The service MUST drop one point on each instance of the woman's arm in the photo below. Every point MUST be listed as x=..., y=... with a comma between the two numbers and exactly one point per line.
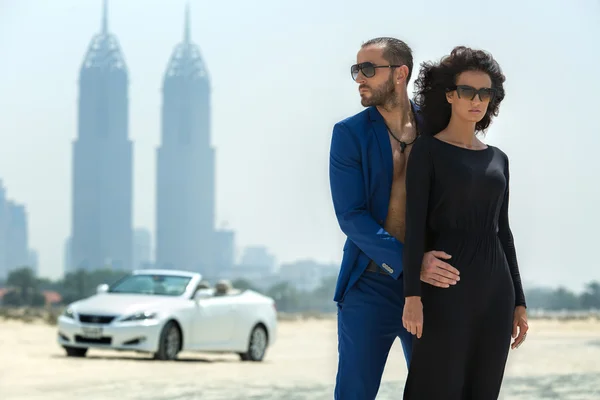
x=419, y=174
x=508, y=244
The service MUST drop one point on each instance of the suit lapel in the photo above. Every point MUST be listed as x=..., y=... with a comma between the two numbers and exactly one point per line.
x=383, y=139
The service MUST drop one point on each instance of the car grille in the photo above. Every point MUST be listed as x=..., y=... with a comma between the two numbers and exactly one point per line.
x=96, y=319
x=85, y=340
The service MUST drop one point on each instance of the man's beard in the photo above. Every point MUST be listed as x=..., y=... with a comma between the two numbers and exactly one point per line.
x=384, y=96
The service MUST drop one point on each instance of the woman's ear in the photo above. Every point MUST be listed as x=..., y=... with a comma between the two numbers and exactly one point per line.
x=450, y=96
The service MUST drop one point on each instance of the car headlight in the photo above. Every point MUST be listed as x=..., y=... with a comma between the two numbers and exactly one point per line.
x=141, y=316
x=69, y=313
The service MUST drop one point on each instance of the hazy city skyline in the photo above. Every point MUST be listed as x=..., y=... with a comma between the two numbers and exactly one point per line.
x=186, y=237
x=14, y=235
x=272, y=121
x=102, y=157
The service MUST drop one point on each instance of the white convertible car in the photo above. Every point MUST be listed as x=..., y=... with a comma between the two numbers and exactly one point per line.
x=164, y=312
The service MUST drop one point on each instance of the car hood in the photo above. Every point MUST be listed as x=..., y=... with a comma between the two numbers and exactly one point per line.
x=123, y=304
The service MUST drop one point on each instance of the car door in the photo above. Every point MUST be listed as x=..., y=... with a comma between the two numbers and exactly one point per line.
x=215, y=320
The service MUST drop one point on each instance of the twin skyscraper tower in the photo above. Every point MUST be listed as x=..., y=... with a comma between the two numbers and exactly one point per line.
x=102, y=178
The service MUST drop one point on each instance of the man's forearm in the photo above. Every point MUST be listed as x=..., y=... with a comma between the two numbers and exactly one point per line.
x=381, y=247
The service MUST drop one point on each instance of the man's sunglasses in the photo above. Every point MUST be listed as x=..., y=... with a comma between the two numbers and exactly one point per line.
x=469, y=92
x=367, y=69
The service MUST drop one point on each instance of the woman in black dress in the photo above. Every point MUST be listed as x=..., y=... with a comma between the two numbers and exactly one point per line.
x=457, y=201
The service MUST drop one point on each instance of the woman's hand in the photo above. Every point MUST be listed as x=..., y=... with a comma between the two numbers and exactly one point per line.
x=520, y=322
x=412, y=316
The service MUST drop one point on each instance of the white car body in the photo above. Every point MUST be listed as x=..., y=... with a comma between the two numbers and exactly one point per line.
x=207, y=322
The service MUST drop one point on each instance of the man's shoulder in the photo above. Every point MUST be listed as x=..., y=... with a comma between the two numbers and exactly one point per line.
x=357, y=122
x=420, y=121
x=352, y=131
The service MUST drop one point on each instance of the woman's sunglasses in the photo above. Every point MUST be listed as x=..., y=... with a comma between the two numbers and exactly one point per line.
x=367, y=69
x=469, y=92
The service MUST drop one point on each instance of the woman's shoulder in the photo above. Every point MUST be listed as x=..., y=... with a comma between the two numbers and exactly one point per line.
x=422, y=148
x=500, y=156
x=498, y=151
x=423, y=141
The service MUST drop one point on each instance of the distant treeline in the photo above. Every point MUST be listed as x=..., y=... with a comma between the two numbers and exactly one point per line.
x=25, y=289
x=564, y=299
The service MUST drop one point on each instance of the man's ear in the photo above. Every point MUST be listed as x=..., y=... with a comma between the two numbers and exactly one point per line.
x=401, y=74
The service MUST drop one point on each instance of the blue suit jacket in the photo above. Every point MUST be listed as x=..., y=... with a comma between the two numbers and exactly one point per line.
x=360, y=176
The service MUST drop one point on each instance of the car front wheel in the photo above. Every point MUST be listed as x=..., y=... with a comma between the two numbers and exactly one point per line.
x=257, y=345
x=169, y=342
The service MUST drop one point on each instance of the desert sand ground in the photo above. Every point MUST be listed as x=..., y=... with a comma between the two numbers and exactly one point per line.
x=560, y=360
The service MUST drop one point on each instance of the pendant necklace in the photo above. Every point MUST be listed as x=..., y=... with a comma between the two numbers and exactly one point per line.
x=403, y=144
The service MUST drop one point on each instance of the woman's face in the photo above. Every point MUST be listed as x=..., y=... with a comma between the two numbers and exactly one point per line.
x=471, y=96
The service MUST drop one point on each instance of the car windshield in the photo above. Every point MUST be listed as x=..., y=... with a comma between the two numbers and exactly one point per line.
x=161, y=285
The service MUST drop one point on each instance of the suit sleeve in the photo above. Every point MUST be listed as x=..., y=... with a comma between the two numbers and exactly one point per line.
x=419, y=175
x=508, y=244
x=349, y=193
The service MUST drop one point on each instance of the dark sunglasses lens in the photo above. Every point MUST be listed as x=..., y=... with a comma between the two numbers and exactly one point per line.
x=465, y=92
x=368, y=70
x=486, y=94
x=354, y=71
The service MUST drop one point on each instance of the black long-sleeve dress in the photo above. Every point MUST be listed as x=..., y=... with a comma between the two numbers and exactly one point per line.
x=457, y=202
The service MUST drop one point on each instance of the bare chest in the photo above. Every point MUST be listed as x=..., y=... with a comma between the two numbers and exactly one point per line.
x=400, y=155
x=395, y=220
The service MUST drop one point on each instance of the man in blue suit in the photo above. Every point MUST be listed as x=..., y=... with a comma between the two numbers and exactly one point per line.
x=367, y=169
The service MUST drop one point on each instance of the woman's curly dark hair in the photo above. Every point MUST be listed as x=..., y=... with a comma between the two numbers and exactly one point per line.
x=435, y=78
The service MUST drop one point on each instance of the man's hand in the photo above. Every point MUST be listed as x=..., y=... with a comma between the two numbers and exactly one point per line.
x=436, y=272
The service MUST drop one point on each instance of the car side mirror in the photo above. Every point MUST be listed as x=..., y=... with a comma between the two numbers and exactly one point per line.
x=102, y=288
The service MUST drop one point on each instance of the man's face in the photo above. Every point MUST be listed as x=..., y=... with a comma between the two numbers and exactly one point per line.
x=378, y=90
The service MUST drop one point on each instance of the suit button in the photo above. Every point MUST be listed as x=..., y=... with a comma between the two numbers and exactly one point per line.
x=380, y=222
x=387, y=268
